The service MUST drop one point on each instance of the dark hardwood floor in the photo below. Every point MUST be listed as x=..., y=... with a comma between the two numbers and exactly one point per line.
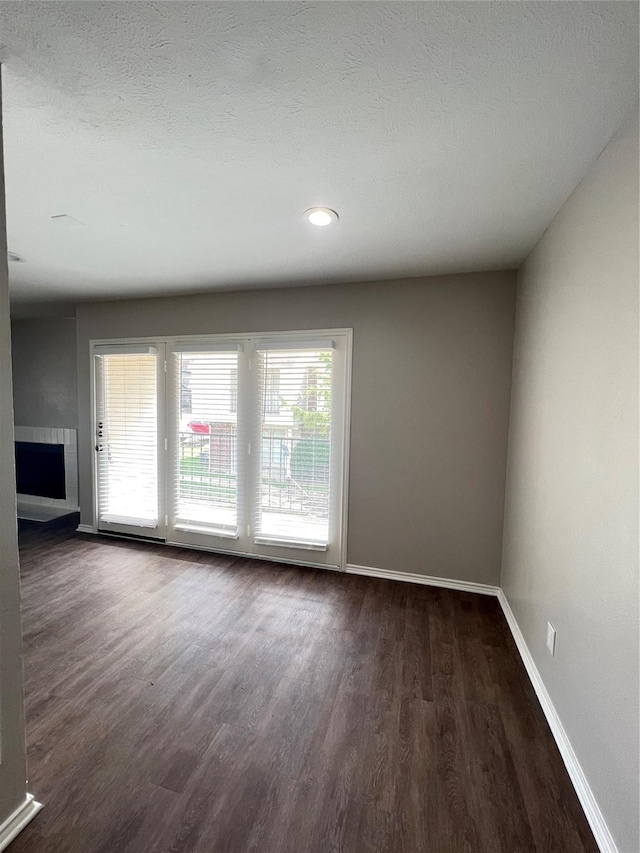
x=183, y=701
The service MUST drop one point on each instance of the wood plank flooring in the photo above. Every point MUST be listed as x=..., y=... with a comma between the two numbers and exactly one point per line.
x=182, y=702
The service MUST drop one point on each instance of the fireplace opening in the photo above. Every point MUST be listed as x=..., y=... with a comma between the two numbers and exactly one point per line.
x=40, y=470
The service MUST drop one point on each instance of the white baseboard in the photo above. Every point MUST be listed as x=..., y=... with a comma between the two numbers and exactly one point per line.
x=426, y=580
x=18, y=820
x=85, y=528
x=598, y=825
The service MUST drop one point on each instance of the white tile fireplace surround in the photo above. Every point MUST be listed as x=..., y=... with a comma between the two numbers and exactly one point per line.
x=36, y=507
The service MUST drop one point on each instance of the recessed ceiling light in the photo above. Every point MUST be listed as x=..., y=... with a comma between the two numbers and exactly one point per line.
x=11, y=256
x=320, y=216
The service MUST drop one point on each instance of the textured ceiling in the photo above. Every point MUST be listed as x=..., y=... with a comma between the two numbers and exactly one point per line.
x=187, y=139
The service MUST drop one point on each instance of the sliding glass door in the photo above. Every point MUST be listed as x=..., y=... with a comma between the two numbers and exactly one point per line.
x=254, y=456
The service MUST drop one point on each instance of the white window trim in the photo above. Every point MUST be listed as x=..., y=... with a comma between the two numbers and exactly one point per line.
x=255, y=338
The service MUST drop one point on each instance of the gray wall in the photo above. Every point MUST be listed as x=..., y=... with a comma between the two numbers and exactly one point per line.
x=45, y=383
x=571, y=522
x=431, y=384
x=12, y=767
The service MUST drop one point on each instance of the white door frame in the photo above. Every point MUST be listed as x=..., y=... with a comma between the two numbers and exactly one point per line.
x=165, y=342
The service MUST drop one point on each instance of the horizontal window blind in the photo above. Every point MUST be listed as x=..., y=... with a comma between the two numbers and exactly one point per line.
x=127, y=438
x=293, y=407
x=205, y=462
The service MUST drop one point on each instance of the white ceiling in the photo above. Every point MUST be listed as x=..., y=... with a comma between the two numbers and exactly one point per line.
x=188, y=138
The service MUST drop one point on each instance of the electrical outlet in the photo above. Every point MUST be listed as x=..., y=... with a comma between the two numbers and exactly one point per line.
x=551, y=638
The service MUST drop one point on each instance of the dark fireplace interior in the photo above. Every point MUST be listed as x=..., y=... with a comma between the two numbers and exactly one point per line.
x=40, y=469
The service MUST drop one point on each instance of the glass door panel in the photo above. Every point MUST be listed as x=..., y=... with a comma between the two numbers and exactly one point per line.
x=205, y=456
x=127, y=432
x=292, y=504
x=298, y=411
